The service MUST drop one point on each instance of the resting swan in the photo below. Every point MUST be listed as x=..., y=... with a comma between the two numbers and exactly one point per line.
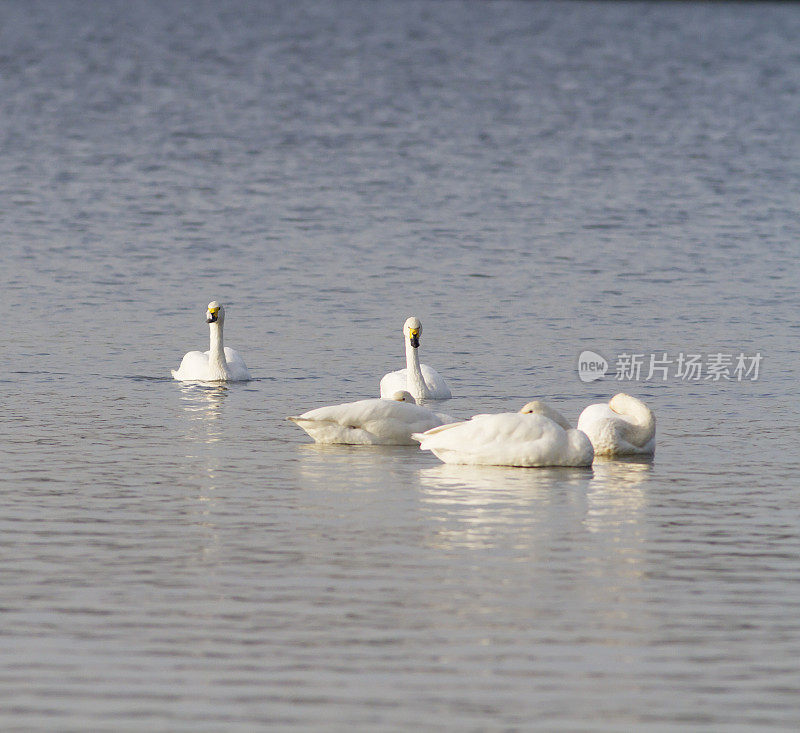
x=422, y=381
x=370, y=422
x=537, y=435
x=218, y=364
x=623, y=427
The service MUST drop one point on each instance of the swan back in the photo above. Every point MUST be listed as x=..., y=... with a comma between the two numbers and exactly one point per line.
x=509, y=439
x=374, y=421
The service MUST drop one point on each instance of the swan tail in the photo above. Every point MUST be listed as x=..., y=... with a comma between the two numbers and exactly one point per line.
x=315, y=420
x=438, y=429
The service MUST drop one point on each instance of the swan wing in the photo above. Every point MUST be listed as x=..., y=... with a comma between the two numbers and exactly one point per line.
x=507, y=439
x=236, y=366
x=595, y=415
x=367, y=422
x=393, y=382
x=435, y=383
x=599, y=423
x=194, y=366
x=478, y=433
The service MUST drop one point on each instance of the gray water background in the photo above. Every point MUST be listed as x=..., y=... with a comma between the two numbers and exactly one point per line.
x=529, y=179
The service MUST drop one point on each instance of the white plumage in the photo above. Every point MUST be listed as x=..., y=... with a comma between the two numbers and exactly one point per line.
x=537, y=435
x=220, y=363
x=422, y=381
x=374, y=421
x=625, y=426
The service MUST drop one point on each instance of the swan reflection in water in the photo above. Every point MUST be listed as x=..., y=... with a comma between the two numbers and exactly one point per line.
x=616, y=523
x=476, y=505
x=481, y=506
x=617, y=492
x=341, y=467
x=203, y=405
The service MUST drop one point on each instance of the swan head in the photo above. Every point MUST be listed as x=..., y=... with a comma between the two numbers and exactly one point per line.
x=215, y=313
x=412, y=328
x=403, y=396
x=534, y=407
x=537, y=407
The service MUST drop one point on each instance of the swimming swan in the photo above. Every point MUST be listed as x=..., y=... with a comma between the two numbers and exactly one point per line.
x=537, y=435
x=422, y=381
x=370, y=422
x=218, y=364
x=623, y=427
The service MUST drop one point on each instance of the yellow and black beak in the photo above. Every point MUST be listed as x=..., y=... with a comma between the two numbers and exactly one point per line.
x=413, y=337
x=213, y=315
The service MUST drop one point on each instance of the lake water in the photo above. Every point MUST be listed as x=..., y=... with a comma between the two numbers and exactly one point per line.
x=531, y=180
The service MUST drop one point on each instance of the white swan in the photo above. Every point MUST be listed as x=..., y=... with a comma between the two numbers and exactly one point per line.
x=422, y=381
x=370, y=422
x=218, y=364
x=537, y=435
x=623, y=427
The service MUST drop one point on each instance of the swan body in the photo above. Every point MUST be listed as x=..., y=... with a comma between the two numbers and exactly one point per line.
x=374, y=421
x=537, y=435
x=625, y=426
x=422, y=381
x=220, y=363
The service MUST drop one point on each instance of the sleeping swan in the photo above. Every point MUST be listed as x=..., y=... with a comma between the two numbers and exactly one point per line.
x=218, y=364
x=537, y=435
x=422, y=381
x=370, y=422
x=623, y=427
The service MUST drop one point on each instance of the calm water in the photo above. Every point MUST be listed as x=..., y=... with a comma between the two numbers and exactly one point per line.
x=529, y=179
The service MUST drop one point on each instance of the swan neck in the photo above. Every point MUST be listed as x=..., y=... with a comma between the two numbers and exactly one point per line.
x=414, y=378
x=640, y=419
x=640, y=433
x=216, y=357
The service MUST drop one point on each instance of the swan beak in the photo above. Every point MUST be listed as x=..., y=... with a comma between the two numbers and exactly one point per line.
x=413, y=336
x=212, y=315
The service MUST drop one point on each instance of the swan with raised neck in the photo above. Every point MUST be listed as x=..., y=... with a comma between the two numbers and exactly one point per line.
x=421, y=380
x=219, y=363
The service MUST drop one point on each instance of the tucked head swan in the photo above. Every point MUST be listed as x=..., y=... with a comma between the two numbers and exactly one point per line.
x=537, y=435
x=422, y=381
x=370, y=422
x=623, y=427
x=220, y=363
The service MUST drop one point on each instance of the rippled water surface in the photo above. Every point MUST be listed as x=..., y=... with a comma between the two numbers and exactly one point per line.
x=530, y=180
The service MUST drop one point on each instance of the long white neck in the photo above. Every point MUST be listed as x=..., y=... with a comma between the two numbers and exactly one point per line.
x=415, y=383
x=641, y=422
x=216, y=355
